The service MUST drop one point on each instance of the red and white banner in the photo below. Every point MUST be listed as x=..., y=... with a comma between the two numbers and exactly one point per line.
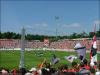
x=93, y=52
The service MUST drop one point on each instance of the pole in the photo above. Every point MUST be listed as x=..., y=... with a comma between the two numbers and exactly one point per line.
x=99, y=38
x=22, y=48
x=56, y=17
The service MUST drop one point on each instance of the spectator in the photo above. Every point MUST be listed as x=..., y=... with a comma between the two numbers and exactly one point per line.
x=14, y=72
x=98, y=69
x=4, y=72
x=28, y=73
x=92, y=71
x=22, y=71
x=83, y=70
x=75, y=67
x=86, y=64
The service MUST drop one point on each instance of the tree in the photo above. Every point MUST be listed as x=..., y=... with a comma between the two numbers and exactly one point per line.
x=91, y=34
x=29, y=37
x=17, y=36
x=0, y=35
x=98, y=33
x=74, y=35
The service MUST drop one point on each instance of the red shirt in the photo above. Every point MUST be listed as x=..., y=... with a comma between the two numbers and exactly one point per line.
x=87, y=67
x=72, y=70
x=14, y=72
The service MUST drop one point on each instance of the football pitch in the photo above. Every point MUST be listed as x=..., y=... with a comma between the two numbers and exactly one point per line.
x=11, y=59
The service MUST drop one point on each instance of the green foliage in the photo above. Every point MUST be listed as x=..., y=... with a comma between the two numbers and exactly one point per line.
x=0, y=34
x=98, y=33
x=12, y=35
x=91, y=34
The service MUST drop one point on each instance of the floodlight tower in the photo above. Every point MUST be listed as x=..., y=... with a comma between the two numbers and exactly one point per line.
x=99, y=37
x=21, y=65
x=0, y=31
x=56, y=18
x=99, y=26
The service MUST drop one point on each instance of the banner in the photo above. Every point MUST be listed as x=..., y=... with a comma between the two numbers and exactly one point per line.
x=93, y=52
x=81, y=51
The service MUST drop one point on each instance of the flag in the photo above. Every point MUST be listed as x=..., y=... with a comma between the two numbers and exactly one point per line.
x=81, y=51
x=46, y=42
x=93, y=52
x=70, y=58
x=41, y=65
x=54, y=59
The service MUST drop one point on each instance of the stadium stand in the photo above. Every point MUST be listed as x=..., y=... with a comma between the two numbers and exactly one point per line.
x=60, y=44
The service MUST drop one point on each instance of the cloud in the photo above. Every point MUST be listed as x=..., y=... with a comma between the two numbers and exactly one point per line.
x=28, y=27
x=74, y=25
x=97, y=22
x=44, y=25
x=41, y=25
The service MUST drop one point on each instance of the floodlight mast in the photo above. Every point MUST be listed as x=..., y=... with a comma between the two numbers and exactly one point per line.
x=56, y=18
x=99, y=36
x=21, y=65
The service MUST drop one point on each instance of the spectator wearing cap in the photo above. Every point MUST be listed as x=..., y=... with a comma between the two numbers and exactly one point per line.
x=28, y=73
x=33, y=71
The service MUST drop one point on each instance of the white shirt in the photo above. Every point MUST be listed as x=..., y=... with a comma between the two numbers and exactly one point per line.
x=97, y=73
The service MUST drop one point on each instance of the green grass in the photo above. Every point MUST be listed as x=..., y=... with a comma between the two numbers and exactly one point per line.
x=10, y=59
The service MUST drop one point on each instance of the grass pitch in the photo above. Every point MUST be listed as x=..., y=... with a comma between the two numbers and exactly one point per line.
x=11, y=59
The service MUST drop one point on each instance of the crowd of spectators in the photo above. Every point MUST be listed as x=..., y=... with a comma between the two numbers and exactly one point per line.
x=60, y=44
x=84, y=68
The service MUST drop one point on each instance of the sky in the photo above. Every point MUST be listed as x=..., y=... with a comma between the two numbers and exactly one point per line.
x=40, y=17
